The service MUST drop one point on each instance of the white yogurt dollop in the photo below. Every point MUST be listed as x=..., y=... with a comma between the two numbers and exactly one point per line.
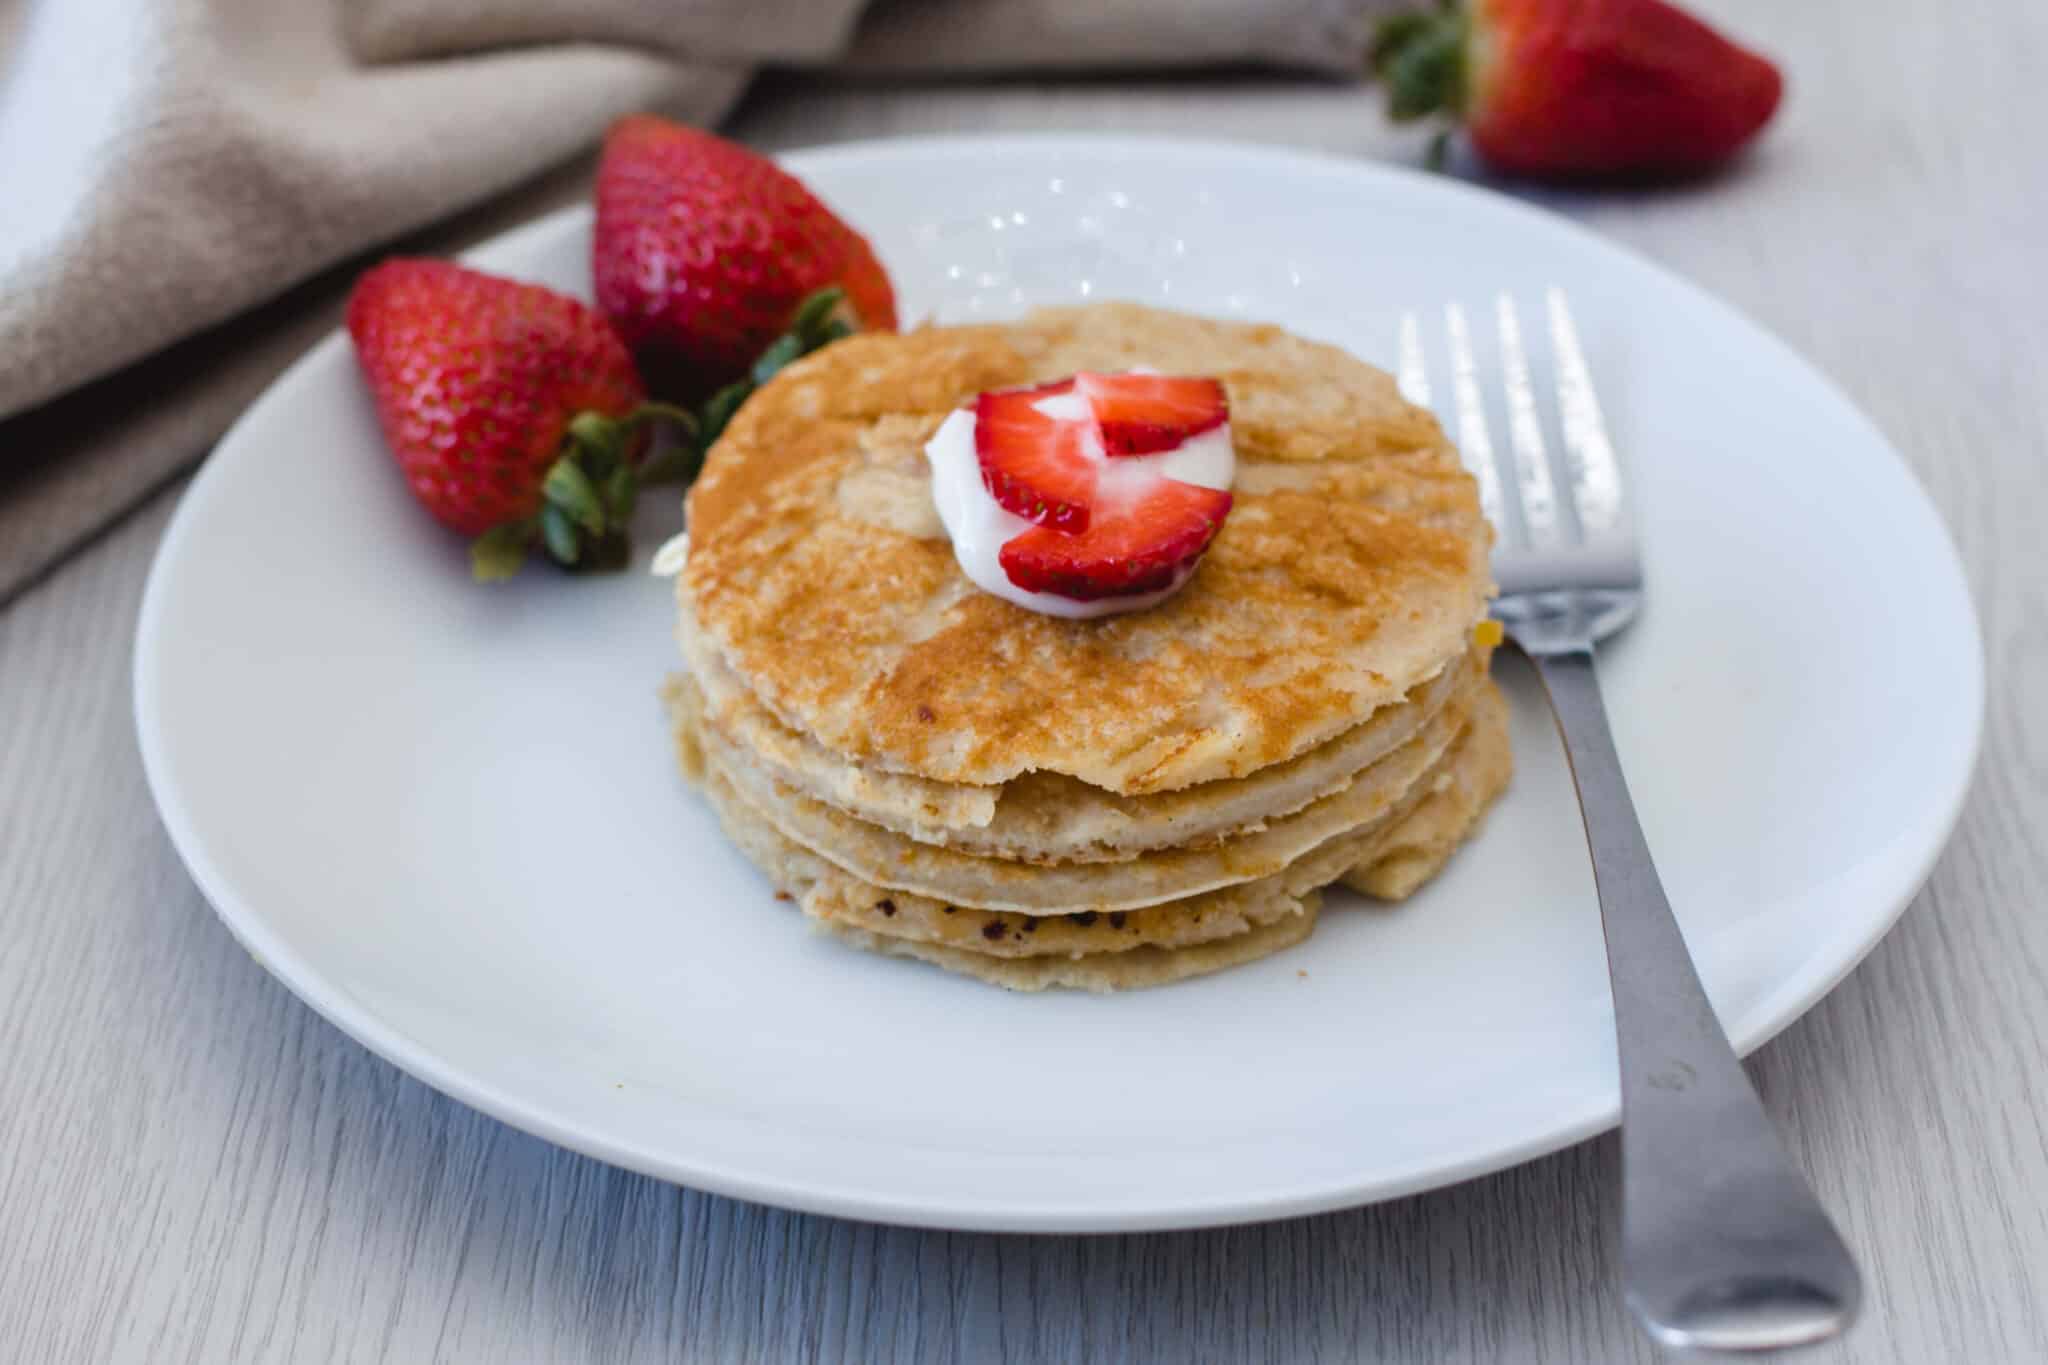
x=980, y=526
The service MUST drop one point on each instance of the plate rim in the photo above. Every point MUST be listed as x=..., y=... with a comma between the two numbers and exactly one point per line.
x=249, y=926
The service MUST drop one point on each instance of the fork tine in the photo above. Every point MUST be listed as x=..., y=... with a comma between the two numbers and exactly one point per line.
x=1533, y=483
x=1413, y=372
x=1589, y=455
x=1474, y=441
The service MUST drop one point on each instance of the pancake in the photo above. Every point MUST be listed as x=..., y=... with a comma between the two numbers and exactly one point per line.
x=1112, y=951
x=1351, y=570
x=1134, y=970
x=933, y=772
x=1417, y=848
x=1048, y=817
x=1475, y=772
x=890, y=860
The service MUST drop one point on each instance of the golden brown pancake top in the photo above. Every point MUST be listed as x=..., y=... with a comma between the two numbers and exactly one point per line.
x=1352, y=566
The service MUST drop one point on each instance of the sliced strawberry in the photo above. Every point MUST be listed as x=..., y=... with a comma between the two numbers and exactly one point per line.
x=1129, y=548
x=1034, y=464
x=1143, y=414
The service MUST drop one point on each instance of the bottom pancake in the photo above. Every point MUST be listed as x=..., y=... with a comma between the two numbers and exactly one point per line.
x=1160, y=943
x=1150, y=965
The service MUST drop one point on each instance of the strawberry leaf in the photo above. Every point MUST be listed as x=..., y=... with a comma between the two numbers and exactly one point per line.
x=598, y=439
x=718, y=410
x=568, y=488
x=780, y=352
x=621, y=490
x=565, y=547
x=497, y=554
x=816, y=324
x=1420, y=56
x=815, y=310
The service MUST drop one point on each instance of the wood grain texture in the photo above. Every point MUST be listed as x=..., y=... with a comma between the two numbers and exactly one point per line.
x=194, y=1167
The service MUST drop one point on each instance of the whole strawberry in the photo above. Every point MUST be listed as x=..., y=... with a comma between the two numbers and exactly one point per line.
x=703, y=251
x=513, y=411
x=1579, y=89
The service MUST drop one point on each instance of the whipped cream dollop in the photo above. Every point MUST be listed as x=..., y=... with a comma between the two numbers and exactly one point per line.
x=979, y=525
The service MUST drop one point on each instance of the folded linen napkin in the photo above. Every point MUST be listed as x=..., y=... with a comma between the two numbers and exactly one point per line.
x=175, y=175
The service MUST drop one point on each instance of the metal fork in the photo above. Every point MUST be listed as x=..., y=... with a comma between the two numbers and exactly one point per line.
x=1724, y=1246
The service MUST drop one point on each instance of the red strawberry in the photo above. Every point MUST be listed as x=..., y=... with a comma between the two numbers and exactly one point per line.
x=1132, y=547
x=1142, y=414
x=703, y=250
x=512, y=410
x=1580, y=89
x=1035, y=465
x=1095, y=537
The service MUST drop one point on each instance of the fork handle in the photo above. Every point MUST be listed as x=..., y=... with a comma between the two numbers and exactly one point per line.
x=1724, y=1245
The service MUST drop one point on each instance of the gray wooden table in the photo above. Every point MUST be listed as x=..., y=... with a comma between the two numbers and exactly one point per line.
x=194, y=1167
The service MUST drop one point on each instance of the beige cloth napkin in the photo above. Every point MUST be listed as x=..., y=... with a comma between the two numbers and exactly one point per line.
x=186, y=186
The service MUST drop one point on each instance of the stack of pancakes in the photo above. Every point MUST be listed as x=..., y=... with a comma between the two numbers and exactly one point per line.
x=933, y=772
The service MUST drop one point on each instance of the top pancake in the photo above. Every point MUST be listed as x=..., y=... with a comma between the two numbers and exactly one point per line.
x=1352, y=567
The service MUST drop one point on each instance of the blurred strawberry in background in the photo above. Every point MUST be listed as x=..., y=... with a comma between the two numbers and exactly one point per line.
x=1579, y=89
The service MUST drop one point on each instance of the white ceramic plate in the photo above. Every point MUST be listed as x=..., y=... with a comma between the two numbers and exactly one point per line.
x=449, y=818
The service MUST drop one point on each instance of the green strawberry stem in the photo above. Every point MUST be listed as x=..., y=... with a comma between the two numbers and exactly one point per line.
x=587, y=497
x=589, y=493
x=818, y=322
x=1420, y=54
x=497, y=554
